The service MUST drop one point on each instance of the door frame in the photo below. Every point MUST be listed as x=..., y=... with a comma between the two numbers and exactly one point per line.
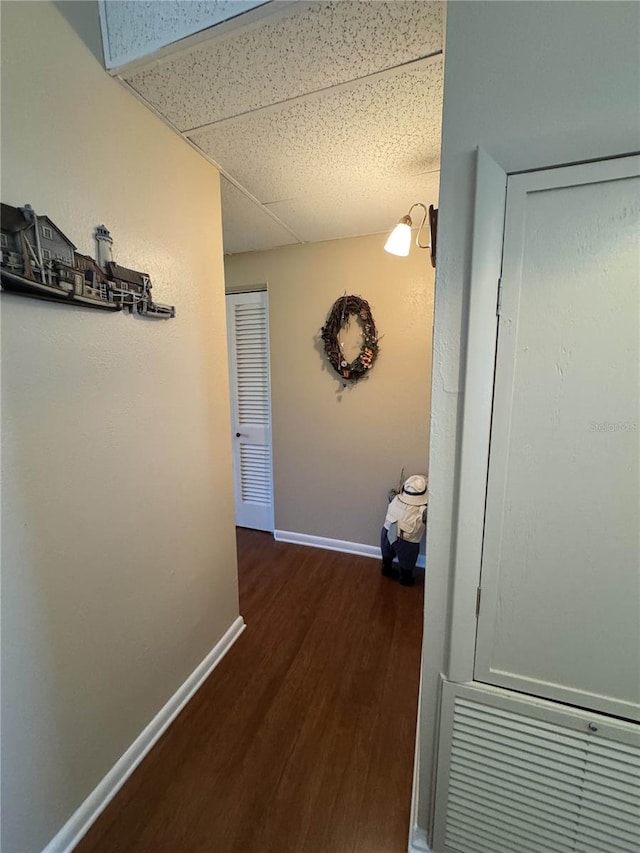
x=477, y=402
x=477, y=389
x=520, y=288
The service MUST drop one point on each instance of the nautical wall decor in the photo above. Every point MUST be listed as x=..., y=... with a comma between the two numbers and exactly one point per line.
x=39, y=261
x=338, y=319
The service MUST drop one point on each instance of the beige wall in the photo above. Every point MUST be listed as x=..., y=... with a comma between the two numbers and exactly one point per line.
x=118, y=561
x=337, y=451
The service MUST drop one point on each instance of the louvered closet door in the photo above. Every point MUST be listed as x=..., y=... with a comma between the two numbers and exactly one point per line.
x=248, y=335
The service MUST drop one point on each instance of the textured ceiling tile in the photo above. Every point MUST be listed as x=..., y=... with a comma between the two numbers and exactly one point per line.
x=136, y=28
x=360, y=135
x=245, y=226
x=309, y=50
x=375, y=208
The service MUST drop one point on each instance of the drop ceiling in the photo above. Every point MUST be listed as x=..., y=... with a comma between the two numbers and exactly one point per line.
x=324, y=118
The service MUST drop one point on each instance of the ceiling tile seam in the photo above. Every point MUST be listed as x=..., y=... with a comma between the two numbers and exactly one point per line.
x=345, y=85
x=209, y=159
x=242, y=22
x=248, y=195
x=426, y=172
x=314, y=195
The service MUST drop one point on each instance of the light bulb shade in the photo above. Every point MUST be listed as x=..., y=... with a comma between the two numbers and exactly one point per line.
x=399, y=241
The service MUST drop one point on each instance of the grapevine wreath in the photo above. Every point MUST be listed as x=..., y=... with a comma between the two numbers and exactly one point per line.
x=337, y=320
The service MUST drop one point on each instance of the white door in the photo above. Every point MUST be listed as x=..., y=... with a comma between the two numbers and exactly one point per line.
x=560, y=603
x=248, y=338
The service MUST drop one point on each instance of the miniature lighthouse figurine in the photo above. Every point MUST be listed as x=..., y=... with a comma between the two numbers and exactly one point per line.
x=104, y=242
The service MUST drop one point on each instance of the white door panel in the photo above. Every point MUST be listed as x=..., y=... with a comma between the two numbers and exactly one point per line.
x=560, y=605
x=248, y=334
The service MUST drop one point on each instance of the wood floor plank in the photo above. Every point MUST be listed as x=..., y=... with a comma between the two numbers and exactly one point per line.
x=302, y=739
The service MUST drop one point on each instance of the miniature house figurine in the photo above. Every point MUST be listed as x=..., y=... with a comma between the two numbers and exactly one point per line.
x=39, y=261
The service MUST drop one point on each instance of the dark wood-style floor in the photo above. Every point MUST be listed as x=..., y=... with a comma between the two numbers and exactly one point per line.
x=302, y=739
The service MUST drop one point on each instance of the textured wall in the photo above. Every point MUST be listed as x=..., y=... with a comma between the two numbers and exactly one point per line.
x=337, y=451
x=118, y=562
x=535, y=84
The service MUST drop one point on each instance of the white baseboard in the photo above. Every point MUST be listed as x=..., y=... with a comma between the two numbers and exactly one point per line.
x=334, y=545
x=418, y=843
x=415, y=831
x=82, y=819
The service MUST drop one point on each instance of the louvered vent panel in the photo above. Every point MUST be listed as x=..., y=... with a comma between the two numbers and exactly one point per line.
x=255, y=474
x=527, y=785
x=252, y=365
x=610, y=808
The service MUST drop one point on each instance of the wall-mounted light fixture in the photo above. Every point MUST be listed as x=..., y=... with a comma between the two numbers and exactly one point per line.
x=399, y=241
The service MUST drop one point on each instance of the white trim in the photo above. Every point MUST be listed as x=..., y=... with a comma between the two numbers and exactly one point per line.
x=82, y=819
x=334, y=545
x=418, y=842
x=417, y=836
x=104, y=32
x=486, y=263
x=230, y=289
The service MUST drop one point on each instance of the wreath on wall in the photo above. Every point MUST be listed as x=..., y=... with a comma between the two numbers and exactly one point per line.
x=339, y=317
